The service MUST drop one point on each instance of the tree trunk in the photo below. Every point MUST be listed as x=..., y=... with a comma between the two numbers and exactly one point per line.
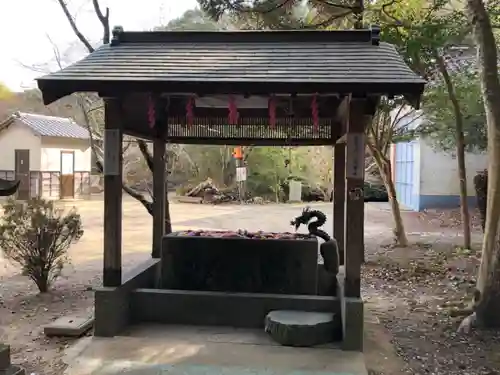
x=384, y=167
x=481, y=187
x=459, y=135
x=399, y=229
x=41, y=280
x=487, y=296
x=358, y=11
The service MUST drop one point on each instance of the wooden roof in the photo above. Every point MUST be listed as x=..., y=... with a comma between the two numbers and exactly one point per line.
x=251, y=62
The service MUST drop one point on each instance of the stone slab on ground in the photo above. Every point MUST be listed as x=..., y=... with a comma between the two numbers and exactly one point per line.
x=13, y=370
x=163, y=349
x=70, y=326
x=4, y=356
x=301, y=328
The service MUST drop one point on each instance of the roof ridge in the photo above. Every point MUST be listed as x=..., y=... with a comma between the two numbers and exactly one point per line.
x=371, y=35
x=50, y=126
x=19, y=113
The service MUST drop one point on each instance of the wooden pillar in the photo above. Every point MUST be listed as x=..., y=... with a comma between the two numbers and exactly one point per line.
x=354, y=200
x=113, y=175
x=339, y=197
x=158, y=196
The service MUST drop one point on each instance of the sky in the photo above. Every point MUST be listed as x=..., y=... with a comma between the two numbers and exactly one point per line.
x=30, y=30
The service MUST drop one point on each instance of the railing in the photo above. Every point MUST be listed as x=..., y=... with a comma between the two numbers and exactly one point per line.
x=83, y=184
x=47, y=184
x=8, y=175
x=251, y=131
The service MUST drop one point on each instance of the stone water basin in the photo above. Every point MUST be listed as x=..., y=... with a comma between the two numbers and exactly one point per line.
x=240, y=261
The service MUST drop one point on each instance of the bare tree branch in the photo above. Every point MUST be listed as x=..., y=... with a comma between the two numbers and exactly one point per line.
x=143, y=147
x=104, y=20
x=37, y=68
x=138, y=196
x=72, y=23
x=57, y=53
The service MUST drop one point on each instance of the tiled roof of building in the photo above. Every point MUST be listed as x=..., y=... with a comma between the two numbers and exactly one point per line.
x=335, y=59
x=49, y=126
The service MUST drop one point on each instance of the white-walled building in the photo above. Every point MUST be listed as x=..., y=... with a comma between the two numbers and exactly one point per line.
x=428, y=178
x=51, y=156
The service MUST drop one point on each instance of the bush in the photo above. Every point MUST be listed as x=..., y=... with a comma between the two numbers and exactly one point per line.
x=375, y=193
x=372, y=192
x=36, y=235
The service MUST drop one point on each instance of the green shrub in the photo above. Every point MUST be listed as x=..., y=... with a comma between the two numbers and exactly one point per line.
x=375, y=192
x=36, y=235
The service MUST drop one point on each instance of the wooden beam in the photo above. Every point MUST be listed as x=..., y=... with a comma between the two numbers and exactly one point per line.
x=354, y=199
x=113, y=175
x=342, y=117
x=369, y=108
x=158, y=196
x=342, y=139
x=339, y=197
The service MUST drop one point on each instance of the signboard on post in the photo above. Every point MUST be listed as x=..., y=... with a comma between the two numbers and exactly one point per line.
x=241, y=174
x=355, y=155
x=112, y=151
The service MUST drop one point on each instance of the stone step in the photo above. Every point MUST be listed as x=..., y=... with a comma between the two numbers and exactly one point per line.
x=303, y=328
x=6, y=368
x=69, y=326
x=153, y=349
x=13, y=370
x=4, y=356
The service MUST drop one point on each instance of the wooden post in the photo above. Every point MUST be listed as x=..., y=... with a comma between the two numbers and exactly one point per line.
x=339, y=197
x=158, y=196
x=113, y=155
x=354, y=207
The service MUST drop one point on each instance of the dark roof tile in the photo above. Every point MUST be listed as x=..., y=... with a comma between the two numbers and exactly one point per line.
x=324, y=57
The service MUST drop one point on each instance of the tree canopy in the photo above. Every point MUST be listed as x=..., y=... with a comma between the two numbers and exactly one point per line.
x=439, y=122
x=5, y=92
x=193, y=19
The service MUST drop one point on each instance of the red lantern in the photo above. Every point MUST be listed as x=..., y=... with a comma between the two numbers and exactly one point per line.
x=238, y=153
x=151, y=112
x=190, y=111
x=233, y=111
x=272, y=112
x=315, y=112
x=288, y=5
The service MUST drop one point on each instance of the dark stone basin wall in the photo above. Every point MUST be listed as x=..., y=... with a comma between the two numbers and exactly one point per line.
x=280, y=266
x=112, y=304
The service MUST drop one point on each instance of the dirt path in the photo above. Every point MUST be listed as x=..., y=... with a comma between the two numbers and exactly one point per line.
x=399, y=330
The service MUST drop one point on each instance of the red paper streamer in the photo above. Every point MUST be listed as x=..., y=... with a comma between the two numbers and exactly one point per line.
x=288, y=4
x=151, y=112
x=233, y=111
x=272, y=112
x=190, y=111
x=315, y=113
